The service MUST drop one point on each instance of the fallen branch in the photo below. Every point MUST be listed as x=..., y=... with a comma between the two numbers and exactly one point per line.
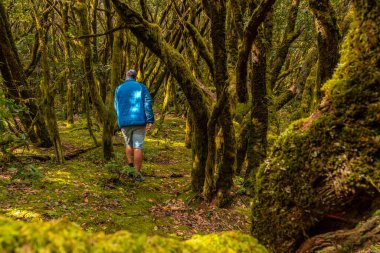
x=78, y=152
x=44, y=158
x=173, y=175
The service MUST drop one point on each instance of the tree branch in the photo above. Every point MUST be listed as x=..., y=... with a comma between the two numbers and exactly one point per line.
x=250, y=33
x=150, y=35
x=100, y=34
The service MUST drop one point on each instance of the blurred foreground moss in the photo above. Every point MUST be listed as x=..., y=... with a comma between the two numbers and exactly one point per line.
x=61, y=236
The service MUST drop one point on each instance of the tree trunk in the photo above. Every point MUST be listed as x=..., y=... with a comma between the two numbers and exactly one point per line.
x=67, y=57
x=164, y=108
x=328, y=37
x=48, y=90
x=327, y=163
x=289, y=36
x=241, y=152
x=258, y=127
x=249, y=36
x=103, y=110
x=298, y=87
x=17, y=86
x=87, y=111
x=107, y=6
x=188, y=129
x=221, y=113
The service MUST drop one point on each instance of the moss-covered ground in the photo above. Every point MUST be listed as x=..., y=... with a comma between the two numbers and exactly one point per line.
x=86, y=190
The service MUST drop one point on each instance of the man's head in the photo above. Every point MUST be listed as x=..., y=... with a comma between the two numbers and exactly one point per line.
x=131, y=74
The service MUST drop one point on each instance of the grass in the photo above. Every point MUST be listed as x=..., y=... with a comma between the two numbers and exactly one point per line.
x=81, y=190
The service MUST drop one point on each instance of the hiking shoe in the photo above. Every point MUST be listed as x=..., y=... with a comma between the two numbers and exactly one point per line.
x=138, y=177
x=131, y=171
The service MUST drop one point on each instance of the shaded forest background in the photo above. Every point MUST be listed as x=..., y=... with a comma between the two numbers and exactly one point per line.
x=282, y=96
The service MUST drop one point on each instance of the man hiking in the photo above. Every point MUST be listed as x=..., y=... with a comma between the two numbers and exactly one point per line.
x=133, y=105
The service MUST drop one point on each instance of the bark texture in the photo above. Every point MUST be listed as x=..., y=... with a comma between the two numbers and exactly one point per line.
x=364, y=238
x=328, y=38
x=249, y=36
x=289, y=36
x=16, y=84
x=257, y=135
x=324, y=164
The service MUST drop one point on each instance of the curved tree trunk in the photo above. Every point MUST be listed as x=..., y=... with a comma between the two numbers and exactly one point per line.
x=249, y=36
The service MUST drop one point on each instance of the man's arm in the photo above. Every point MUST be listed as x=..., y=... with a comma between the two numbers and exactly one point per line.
x=148, y=107
x=116, y=101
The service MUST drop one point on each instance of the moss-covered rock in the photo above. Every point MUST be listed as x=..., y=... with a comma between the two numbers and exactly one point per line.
x=60, y=236
x=323, y=164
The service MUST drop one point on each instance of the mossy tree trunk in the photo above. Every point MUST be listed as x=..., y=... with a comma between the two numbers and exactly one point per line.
x=249, y=36
x=109, y=117
x=168, y=94
x=48, y=90
x=221, y=113
x=328, y=38
x=16, y=84
x=258, y=127
x=87, y=111
x=67, y=57
x=241, y=151
x=94, y=27
x=103, y=110
x=296, y=90
x=290, y=34
x=235, y=31
x=329, y=162
x=188, y=129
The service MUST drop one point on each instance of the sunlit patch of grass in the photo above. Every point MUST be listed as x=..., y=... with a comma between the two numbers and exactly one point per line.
x=23, y=214
x=61, y=177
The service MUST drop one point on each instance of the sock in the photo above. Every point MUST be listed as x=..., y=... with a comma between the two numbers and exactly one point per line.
x=130, y=165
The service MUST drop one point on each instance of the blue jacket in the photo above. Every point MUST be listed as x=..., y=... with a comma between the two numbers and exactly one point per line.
x=133, y=104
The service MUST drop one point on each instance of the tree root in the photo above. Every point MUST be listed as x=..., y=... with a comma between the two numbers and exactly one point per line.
x=354, y=240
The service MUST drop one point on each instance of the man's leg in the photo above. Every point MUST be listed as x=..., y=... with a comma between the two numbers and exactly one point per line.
x=138, y=145
x=138, y=156
x=127, y=134
x=130, y=154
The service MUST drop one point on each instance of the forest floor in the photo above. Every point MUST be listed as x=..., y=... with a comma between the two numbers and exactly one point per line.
x=87, y=190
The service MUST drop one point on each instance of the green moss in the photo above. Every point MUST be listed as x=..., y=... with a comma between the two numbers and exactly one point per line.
x=322, y=164
x=81, y=191
x=60, y=236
